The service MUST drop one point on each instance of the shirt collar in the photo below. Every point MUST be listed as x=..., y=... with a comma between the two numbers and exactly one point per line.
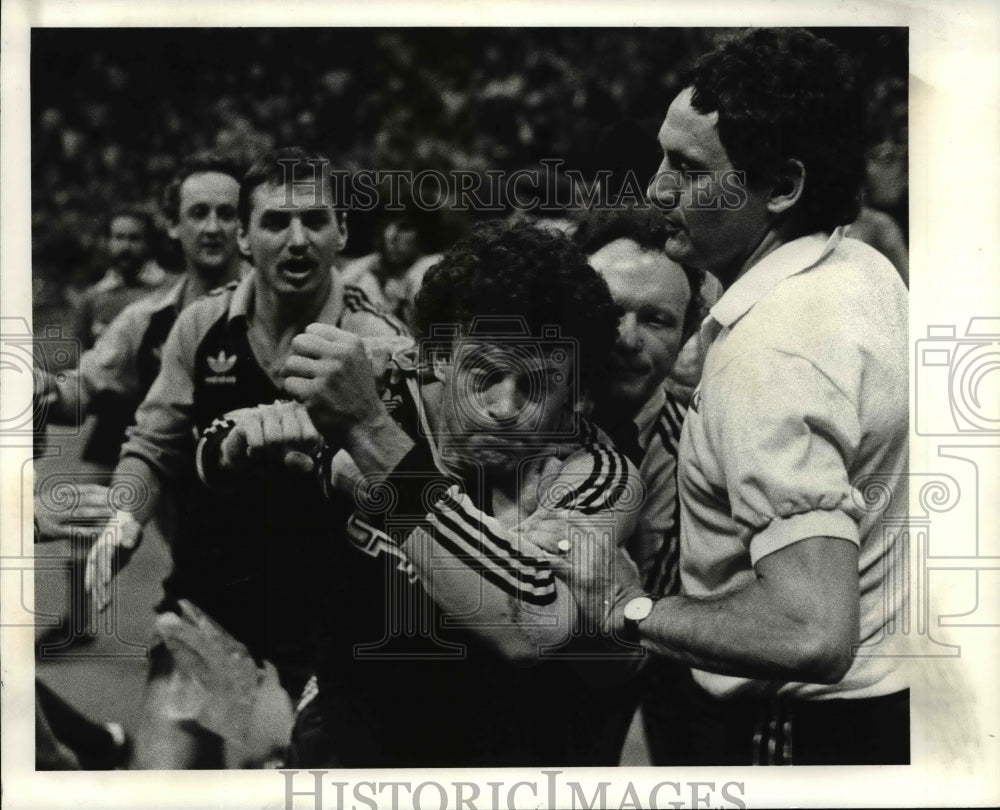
x=242, y=301
x=645, y=420
x=788, y=260
x=174, y=297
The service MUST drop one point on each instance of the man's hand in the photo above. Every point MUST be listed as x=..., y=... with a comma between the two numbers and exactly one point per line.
x=115, y=544
x=329, y=371
x=214, y=676
x=281, y=432
x=90, y=507
x=599, y=574
x=216, y=683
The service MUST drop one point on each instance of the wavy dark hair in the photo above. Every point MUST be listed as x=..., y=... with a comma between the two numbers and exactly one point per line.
x=198, y=163
x=784, y=93
x=646, y=227
x=519, y=273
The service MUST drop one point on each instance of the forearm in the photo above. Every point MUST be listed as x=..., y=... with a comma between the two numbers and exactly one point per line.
x=139, y=486
x=782, y=624
x=378, y=444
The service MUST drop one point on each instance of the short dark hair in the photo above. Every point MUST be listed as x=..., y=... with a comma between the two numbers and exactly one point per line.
x=132, y=212
x=647, y=228
x=198, y=163
x=519, y=271
x=274, y=169
x=784, y=93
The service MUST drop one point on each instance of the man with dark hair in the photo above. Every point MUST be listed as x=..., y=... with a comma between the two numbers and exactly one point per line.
x=461, y=648
x=787, y=569
x=132, y=276
x=249, y=544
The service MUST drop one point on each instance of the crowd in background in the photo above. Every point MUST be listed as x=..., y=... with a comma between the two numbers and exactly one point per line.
x=113, y=111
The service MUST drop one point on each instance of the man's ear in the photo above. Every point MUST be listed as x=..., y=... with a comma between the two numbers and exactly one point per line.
x=243, y=242
x=341, y=219
x=788, y=188
x=172, y=230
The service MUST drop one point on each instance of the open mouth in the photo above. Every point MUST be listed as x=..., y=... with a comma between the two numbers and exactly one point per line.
x=212, y=248
x=297, y=268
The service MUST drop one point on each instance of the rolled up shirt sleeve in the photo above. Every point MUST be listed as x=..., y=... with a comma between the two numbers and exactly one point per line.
x=164, y=430
x=789, y=436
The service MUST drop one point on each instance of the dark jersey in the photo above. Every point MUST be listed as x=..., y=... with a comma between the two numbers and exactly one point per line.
x=418, y=604
x=252, y=558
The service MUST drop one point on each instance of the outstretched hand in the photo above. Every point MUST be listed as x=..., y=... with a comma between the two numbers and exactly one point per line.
x=91, y=504
x=217, y=684
x=115, y=545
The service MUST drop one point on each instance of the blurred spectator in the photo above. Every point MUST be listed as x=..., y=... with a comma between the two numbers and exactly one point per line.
x=391, y=276
x=884, y=216
x=132, y=274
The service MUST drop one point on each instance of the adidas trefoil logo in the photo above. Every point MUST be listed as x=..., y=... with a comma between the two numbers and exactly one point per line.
x=221, y=363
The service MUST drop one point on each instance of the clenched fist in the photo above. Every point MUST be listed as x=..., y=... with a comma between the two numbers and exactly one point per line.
x=329, y=372
x=281, y=433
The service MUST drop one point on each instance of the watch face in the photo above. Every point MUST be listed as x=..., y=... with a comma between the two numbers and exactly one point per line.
x=638, y=609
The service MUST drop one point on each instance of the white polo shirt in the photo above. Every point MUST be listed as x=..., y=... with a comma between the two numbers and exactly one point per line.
x=801, y=413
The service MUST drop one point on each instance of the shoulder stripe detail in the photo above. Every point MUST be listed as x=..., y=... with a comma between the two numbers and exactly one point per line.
x=604, y=484
x=670, y=424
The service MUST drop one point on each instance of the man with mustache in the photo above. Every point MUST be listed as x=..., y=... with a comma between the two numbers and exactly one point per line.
x=447, y=642
x=133, y=274
x=790, y=575
x=247, y=551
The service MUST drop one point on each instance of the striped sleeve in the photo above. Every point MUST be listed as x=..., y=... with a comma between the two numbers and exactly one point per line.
x=485, y=580
x=599, y=489
x=662, y=574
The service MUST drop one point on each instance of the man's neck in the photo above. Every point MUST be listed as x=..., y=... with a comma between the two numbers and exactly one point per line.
x=772, y=239
x=276, y=314
x=130, y=278
x=610, y=412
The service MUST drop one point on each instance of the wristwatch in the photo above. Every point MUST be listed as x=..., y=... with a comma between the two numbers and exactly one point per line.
x=636, y=609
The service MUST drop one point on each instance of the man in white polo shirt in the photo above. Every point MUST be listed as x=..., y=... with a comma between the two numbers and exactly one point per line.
x=800, y=414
